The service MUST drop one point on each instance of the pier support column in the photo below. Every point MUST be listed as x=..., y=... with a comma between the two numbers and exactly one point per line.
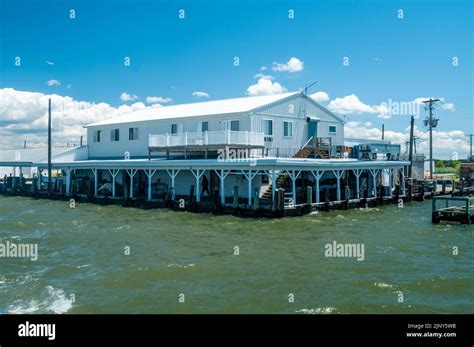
x=40, y=179
x=198, y=174
x=94, y=171
x=402, y=180
x=256, y=199
x=294, y=176
x=338, y=174
x=389, y=172
x=173, y=173
x=317, y=176
x=250, y=176
x=68, y=181
x=149, y=174
x=374, y=173
x=113, y=173
x=222, y=174
x=131, y=173
x=273, y=184
x=357, y=173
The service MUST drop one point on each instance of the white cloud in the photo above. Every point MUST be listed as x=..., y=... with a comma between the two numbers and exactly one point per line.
x=320, y=96
x=261, y=75
x=51, y=83
x=448, y=106
x=265, y=86
x=293, y=65
x=445, y=143
x=50, y=62
x=158, y=100
x=24, y=116
x=200, y=94
x=127, y=97
x=349, y=104
x=263, y=68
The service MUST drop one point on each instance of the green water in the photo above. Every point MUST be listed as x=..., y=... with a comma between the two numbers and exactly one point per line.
x=82, y=266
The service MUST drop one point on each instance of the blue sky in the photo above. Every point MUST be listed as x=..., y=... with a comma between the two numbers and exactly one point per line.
x=389, y=57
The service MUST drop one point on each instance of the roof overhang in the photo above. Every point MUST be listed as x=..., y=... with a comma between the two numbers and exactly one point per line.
x=211, y=164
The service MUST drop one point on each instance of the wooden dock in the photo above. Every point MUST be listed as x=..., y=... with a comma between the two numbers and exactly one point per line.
x=457, y=209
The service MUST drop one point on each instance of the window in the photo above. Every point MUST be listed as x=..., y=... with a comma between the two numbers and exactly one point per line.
x=234, y=125
x=132, y=134
x=174, y=128
x=268, y=127
x=115, y=135
x=204, y=126
x=97, y=135
x=287, y=129
x=177, y=128
x=332, y=129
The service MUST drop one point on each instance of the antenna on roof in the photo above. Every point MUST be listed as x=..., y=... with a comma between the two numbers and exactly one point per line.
x=309, y=86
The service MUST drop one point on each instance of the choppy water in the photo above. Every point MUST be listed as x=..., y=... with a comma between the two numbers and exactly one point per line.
x=82, y=267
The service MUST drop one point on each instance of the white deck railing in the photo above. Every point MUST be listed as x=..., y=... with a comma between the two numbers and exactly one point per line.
x=222, y=137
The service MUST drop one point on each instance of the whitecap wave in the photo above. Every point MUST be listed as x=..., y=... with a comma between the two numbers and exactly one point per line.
x=383, y=285
x=54, y=300
x=180, y=266
x=319, y=310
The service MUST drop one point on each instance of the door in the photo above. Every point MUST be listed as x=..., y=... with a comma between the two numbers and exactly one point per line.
x=312, y=129
x=233, y=125
x=226, y=125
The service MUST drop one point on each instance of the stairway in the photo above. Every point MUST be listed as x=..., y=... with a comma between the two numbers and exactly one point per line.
x=266, y=197
x=318, y=148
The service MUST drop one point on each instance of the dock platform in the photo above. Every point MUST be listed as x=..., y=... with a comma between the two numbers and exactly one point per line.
x=456, y=209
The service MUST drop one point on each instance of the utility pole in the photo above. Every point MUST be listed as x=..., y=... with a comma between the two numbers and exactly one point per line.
x=432, y=123
x=383, y=131
x=49, y=147
x=410, y=158
x=470, y=144
x=414, y=143
x=412, y=140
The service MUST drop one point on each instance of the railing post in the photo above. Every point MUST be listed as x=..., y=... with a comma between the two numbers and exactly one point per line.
x=247, y=138
x=206, y=138
x=186, y=138
x=228, y=136
x=167, y=139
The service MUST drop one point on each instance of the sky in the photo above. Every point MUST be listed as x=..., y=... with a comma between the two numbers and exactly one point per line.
x=373, y=61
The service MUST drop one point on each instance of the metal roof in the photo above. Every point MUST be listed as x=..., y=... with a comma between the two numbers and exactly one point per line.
x=216, y=107
x=32, y=154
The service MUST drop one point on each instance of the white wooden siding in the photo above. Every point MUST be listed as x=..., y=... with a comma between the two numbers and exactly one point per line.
x=296, y=110
x=139, y=148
